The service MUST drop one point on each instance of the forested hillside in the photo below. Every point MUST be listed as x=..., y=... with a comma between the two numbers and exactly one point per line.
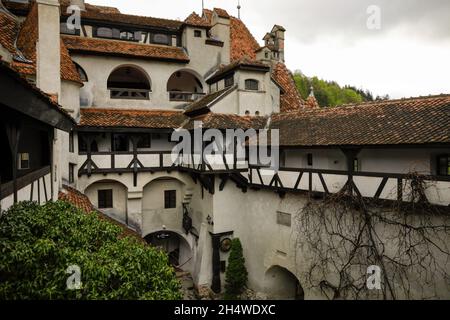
x=330, y=93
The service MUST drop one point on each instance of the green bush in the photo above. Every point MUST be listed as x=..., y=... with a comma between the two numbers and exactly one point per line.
x=39, y=243
x=236, y=273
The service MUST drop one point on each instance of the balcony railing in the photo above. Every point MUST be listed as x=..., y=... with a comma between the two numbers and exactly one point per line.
x=185, y=96
x=379, y=186
x=126, y=93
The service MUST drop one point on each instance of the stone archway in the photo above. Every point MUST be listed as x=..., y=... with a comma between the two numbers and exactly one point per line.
x=281, y=284
x=175, y=245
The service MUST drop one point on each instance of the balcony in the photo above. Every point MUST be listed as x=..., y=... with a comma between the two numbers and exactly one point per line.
x=378, y=186
x=185, y=96
x=132, y=94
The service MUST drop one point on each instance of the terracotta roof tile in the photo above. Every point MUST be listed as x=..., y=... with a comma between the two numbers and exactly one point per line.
x=214, y=120
x=290, y=100
x=9, y=29
x=424, y=120
x=109, y=14
x=243, y=44
x=195, y=20
x=124, y=48
x=221, y=13
x=312, y=102
x=82, y=202
x=238, y=64
x=26, y=42
x=127, y=118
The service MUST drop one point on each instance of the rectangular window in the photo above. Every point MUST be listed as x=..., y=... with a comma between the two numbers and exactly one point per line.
x=251, y=84
x=443, y=165
x=71, y=144
x=71, y=173
x=24, y=161
x=144, y=141
x=309, y=157
x=356, y=165
x=105, y=199
x=120, y=142
x=229, y=81
x=160, y=38
x=170, y=199
x=198, y=33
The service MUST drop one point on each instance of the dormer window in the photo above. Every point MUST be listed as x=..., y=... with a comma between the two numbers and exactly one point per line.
x=252, y=84
x=198, y=33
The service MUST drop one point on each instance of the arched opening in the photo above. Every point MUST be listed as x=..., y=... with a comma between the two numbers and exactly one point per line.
x=184, y=85
x=176, y=246
x=81, y=73
x=281, y=284
x=129, y=82
x=110, y=197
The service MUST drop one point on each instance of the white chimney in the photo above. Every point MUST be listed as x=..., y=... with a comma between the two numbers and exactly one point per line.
x=79, y=3
x=48, y=51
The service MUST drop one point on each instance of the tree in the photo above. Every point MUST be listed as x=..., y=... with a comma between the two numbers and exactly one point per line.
x=40, y=244
x=236, y=274
x=345, y=234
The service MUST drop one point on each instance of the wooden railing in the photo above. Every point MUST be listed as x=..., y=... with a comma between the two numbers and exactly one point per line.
x=375, y=185
x=185, y=96
x=126, y=93
x=7, y=188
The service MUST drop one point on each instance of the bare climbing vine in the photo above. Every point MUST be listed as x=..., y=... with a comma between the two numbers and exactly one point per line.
x=342, y=235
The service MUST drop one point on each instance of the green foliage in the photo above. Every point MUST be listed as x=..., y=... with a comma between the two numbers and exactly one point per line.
x=331, y=94
x=39, y=243
x=236, y=274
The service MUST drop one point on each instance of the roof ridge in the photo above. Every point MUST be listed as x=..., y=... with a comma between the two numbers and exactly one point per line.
x=388, y=101
x=100, y=109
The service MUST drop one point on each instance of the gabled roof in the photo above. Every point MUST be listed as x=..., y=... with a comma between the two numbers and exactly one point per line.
x=31, y=101
x=222, y=13
x=124, y=49
x=243, y=64
x=414, y=121
x=203, y=105
x=196, y=21
x=26, y=42
x=291, y=99
x=127, y=118
x=113, y=15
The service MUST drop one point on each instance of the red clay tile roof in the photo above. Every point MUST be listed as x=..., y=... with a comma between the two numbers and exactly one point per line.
x=214, y=120
x=424, y=120
x=124, y=118
x=109, y=14
x=311, y=102
x=124, y=49
x=82, y=202
x=221, y=13
x=291, y=99
x=245, y=64
x=9, y=29
x=26, y=42
x=196, y=21
x=243, y=44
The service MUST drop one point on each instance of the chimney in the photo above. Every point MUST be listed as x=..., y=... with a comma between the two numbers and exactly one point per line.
x=79, y=3
x=278, y=32
x=48, y=51
x=221, y=31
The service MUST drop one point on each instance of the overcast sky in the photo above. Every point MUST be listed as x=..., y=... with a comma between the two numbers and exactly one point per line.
x=409, y=55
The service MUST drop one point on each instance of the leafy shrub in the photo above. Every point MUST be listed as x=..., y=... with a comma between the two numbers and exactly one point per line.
x=39, y=243
x=236, y=273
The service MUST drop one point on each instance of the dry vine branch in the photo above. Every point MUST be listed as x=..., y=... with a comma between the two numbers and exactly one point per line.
x=344, y=234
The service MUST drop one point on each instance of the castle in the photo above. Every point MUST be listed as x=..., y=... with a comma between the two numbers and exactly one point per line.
x=88, y=114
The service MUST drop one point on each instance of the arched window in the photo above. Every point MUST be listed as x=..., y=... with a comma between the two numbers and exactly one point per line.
x=129, y=83
x=257, y=113
x=247, y=113
x=252, y=84
x=184, y=85
x=81, y=72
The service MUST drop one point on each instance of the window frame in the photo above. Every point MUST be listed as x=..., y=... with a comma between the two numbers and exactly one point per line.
x=71, y=142
x=249, y=83
x=170, y=199
x=438, y=165
x=107, y=199
x=168, y=37
x=228, y=81
x=72, y=173
x=21, y=161
x=198, y=33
